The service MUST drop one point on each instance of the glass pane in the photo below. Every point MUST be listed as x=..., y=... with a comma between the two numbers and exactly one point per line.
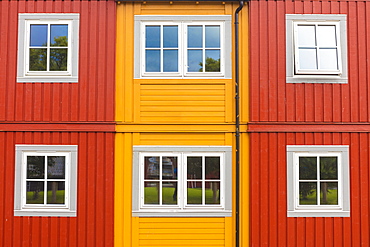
x=170, y=36
x=326, y=36
x=56, y=167
x=58, y=59
x=170, y=61
x=194, y=192
x=329, y=194
x=307, y=168
x=169, y=193
x=212, y=167
x=39, y=35
x=212, y=193
x=195, y=61
x=35, y=167
x=306, y=36
x=195, y=36
x=38, y=60
x=307, y=59
x=59, y=35
x=152, y=36
x=56, y=193
x=152, y=61
x=328, y=59
x=169, y=168
x=151, y=168
x=328, y=168
x=194, y=168
x=212, y=36
x=307, y=193
x=212, y=60
x=151, y=193
x=35, y=193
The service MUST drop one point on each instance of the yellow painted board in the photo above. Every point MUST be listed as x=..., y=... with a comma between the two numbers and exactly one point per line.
x=166, y=242
x=181, y=236
x=183, y=231
x=184, y=225
x=178, y=103
x=183, y=219
x=182, y=98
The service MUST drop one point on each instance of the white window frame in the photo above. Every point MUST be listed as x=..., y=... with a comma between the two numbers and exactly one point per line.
x=295, y=75
x=296, y=210
x=182, y=22
x=181, y=209
x=68, y=209
x=25, y=21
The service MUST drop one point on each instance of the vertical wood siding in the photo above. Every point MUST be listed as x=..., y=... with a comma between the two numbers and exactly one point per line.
x=92, y=98
x=272, y=99
x=270, y=225
x=93, y=225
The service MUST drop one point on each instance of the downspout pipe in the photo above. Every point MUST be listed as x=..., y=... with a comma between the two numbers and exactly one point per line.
x=237, y=126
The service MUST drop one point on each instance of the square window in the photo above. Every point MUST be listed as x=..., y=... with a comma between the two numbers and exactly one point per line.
x=318, y=181
x=183, y=46
x=182, y=181
x=45, y=180
x=316, y=48
x=48, y=48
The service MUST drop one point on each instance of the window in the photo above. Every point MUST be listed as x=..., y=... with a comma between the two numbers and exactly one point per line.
x=316, y=48
x=318, y=181
x=48, y=48
x=45, y=180
x=182, y=181
x=183, y=46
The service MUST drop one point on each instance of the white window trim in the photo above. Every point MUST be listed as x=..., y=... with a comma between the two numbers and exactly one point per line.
x=25, y=20
x=225, y=34
x=313, y=76
x=181, y=209
x=66, y=210
x=343, y=207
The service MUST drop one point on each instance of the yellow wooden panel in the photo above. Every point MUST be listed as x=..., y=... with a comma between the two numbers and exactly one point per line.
x=183, y=236
x=182, y=220
x=187, y=231
x=166, y=242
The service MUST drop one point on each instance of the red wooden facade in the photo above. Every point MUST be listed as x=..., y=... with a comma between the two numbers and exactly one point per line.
x=284, y=114
x=61, y=114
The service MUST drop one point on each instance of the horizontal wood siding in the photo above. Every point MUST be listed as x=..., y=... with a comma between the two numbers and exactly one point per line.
x=270, y=225
x=93, y=225
x=181, y=232
x=274, y=100
x=92, y=98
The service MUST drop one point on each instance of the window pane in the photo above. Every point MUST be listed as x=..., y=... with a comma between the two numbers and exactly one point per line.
x=151, y=193
x=38, y=60
x=307, y=59
x=56, y=193
x=58, y=59
x=307, y=193
x=326, y=36
x=169, y=168
x=306, y=36
x=35, y=167
x=328, y=168
x=194, y=192
x=170, y=61
x=212, y=60
x=194, y=168
x=59, y=35
x=169, y=193
x=170, y=36
x=152, y=60
x=195, y=61
x=39, y=35
x=212, y=192
x=329, y=194
x=328, y=59
x=151, y=168
x=195, y=36
x=35, y=193
x=56, y=167
x=152, y=36
x=212, y=36
x=212, y=167
x=307, y=168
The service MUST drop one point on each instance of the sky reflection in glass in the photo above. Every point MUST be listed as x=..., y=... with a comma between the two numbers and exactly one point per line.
x=170, y=36
x=212, y=36
x=152, y=36
x=39, y=34
x=195, y=36
x=152, y=60
x=195, y=58
x=59, y=35
x=170, y=58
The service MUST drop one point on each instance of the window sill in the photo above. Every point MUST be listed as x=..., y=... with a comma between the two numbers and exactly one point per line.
x=318, y=213
x=38, y=212
x=317, y=79
x=181, y=213
x=46, y=79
